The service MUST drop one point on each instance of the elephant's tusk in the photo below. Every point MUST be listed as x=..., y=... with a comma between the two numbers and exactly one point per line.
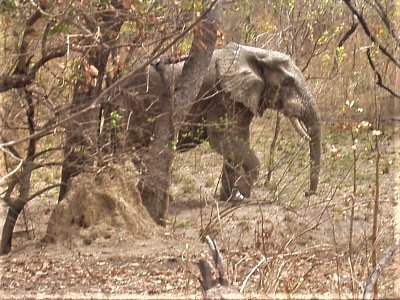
x=304, y=128
x=299, y=128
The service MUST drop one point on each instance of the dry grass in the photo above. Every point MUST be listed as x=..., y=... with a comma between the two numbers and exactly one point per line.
x=303, y=239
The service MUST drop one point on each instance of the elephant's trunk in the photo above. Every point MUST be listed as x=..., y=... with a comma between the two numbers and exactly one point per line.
x=312, y=122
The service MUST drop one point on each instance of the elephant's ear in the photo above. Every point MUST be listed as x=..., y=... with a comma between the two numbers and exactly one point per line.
x=239, y=74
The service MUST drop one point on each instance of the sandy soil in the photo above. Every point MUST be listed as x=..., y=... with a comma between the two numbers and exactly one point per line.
x=304, y=243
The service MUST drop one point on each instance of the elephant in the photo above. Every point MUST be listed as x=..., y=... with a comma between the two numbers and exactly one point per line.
x=240, y=84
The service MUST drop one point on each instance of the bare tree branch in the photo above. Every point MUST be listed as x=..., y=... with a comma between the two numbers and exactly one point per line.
x=8, y=82
x=371, y=36
x=379, y=80
x=385, y=19
x=119, y=83
x=195, y=67
x=347, y=35
x=369, y=286
x=3, y=179
x=175, y=105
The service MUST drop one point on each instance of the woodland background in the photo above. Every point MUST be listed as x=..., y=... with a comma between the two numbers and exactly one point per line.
x=59, y=70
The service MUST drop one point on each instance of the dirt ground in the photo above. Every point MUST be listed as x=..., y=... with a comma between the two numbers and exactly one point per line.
x=277, y=244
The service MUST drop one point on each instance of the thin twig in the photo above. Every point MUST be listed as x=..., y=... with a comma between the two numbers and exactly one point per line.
x=371, y=36
x=372, y=279
x=12, y=172
x=378, y=75
x=251, y=273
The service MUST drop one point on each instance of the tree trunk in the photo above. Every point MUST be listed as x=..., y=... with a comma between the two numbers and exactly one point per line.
x=158, y=161
x=14, y=209
x=23, y=179
x=80, y=142
x=81, y=134
x=175, y=106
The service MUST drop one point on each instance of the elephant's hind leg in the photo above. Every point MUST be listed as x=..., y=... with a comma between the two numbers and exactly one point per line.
x=241, y=165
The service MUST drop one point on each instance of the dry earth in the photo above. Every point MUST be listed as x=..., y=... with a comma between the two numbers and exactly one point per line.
x=286, y=245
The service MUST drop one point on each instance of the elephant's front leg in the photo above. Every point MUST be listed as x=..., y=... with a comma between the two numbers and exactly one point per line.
x=245, y=166
x=235, y=179
x=228, y=134
x=228, y=180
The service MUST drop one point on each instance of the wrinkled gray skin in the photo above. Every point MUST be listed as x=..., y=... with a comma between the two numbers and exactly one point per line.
x=242, y=82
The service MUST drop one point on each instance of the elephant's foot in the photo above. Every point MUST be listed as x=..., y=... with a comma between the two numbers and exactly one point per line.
x=232, y=196
x=225, y=196
x=244, y=187
x=309, y=193
x=242, y=190
x=237, y=197
x=235, y=184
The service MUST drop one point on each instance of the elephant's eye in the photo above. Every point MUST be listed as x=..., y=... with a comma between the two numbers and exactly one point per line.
x=288, y=81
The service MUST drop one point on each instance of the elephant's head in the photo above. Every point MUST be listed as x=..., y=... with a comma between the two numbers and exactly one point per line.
x=262, y=79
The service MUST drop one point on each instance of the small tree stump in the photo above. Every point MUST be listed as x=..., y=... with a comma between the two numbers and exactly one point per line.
x=220, y=289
